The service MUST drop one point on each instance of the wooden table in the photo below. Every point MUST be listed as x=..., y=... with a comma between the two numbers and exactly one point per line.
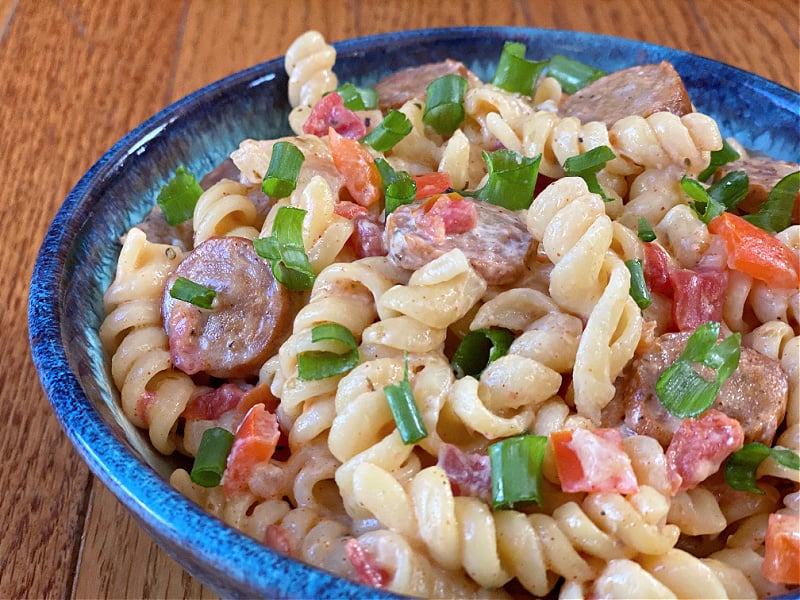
x=78, y=74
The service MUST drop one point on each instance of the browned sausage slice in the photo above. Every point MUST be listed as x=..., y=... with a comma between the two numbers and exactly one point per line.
x=641, y=90
x=495, y=240
x=763, y=173
x=251, y=316
x=755, y=395
x=407, y=84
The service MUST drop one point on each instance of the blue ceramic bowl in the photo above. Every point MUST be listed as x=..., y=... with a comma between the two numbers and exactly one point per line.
x=78, y=258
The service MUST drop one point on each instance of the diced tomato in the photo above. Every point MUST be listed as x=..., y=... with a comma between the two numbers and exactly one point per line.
x=430, y=184
x=698, y=296
x=699, y=446
x=368, y=570
x=213, y=404
x=447, y=214
x=656, y=269
x=356, y=165
x=254, y=443
x=782, y=556
x=469, y=474
x=350, y=210
x=330, y=112
x=593, y=461
x=756, y=252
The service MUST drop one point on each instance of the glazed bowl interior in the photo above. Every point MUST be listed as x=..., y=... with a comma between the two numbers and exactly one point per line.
x=78, y=257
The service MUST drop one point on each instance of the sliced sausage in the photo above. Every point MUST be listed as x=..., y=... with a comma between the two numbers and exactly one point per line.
x=755, y=395
x=470, y=474
x=251, y=316
x=407, y=84
x=494, y=240
x=641, y=90
x=763, y=173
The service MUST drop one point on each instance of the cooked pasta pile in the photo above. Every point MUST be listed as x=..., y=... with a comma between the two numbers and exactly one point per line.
x=629, y=497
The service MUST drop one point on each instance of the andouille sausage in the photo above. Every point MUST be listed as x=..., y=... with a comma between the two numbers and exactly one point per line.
x=641, y=90
x=755, y=395
x=251, y=316
x=495, y=244
x=407, y=84
x=763, y=174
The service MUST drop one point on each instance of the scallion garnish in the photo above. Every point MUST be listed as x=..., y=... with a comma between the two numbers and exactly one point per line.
x=398, y=186
x=730, y=190
x=511, y=179
x=514, y=73
x=194, y=293
x=775, y=214
x=719, y=157
x=178, y=197
x=572, y=74
x=405, y=411
x=645, y=230
x=444, y=104
x=681, y=389
x=639, y=291
x=740, y=470
x=358, y=98
x=284, y=167
x=516, y=465
x=285, y=251
x=317, y=364
x=705, y=206
x=212, y=454
x=394, y=127
x=479, y=348
x=587, y=165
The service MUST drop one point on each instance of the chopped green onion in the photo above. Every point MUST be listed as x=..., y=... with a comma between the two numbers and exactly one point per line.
x=740, y=470
x=775, y=214
x=178, y=197
x=194, y=293
x=444, y=104
x=405, y=411
x=730, y=190
x=315, y=364
x=645, y=231
x=639, y=291
x=681, y=389
x=285, y=251
x=516, y=465
x=705, y=207
x=514, y=73
x=719, y=157
x=511, y=181
x=212, y=454
x=572, y=74
x=284, y=167
x=587, y=165
x=358, y=98
x=394, y=127
x=479, y=348
x=398, y=186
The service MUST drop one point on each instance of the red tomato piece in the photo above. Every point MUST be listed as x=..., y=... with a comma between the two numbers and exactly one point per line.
x=593, y=461
x=782, y=556
x=350, y=210
x=756, y=252
x=330, y=111
x=253, y=444
x=213, y=404
x=470, y=474
x=656, y=269
x=447, y=214
x=430, y=184
x=356, y=165
x=368, y=570
x=698, y=296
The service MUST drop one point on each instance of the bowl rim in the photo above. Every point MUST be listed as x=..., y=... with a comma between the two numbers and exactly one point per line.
x=145, y=494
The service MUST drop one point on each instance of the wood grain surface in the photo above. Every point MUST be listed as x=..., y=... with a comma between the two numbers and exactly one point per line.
x=76, y=75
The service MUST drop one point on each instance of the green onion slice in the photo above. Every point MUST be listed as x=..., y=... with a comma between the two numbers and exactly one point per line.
x=730, y=190
x=178, y=197
x=572, y=74
x=719, y=157
x=194, y=293
x=740, y=469
x=775, y=214
x=212, y=454
x=587, y=165
x=284, y=167
x=285, y=251
x=479, y=348
x=639, y=291
x=358, y=98
x=394, y=127
x=511, y=181
x=398, y=186
x=645, y=230
x=316, y=364
x=681, y=389
x=404, y=409
x=514, y=73
x=516, y=465
x=444, y=104
x=705, y=207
